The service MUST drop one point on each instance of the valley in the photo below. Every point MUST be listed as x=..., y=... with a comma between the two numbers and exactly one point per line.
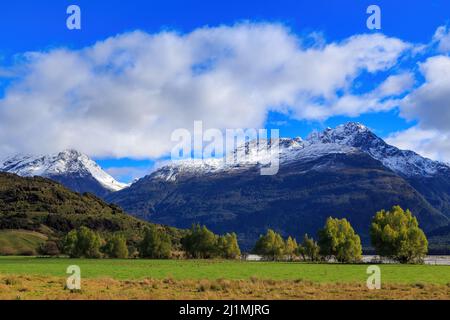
x=346, y=172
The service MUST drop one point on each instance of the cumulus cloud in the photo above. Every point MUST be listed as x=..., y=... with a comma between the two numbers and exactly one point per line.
x=429, y=143
x=396, y=84
x=442, y=38
x=382, y=98
x=125, y=95
x=429, y=103
x=429, y=106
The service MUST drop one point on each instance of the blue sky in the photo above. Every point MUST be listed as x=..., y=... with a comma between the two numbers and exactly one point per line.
x=39, y=26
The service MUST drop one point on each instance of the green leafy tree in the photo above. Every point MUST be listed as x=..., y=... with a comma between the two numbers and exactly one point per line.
x=271, y=246
x=116, y=247
x=291, y=248
x=201, y=243
x=82, y=243
x=396, y=234
x=339, y=240
x=70, y=244
x=309, y=249
x=156, y=244
x=228, y=246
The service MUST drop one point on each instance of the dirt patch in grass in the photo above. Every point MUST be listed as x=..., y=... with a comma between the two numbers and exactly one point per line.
x=37, y=287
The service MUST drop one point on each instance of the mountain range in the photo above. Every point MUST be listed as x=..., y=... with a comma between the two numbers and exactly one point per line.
x=346, y=172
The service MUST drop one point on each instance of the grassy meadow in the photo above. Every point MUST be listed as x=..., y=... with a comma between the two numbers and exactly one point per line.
x=44, y=278
x=129, y=269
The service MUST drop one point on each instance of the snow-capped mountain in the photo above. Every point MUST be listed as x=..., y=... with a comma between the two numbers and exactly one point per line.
x=356, y=135
x=345, y=172
x=70, y=167
x=346, y=138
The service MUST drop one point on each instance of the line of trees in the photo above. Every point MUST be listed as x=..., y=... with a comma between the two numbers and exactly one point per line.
x=86, y=243
x=394, y=234
x=337, y=239
x=199, y=243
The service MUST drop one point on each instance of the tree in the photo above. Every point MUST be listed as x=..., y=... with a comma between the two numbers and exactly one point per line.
x=339, y=240
x=48, y=248
x=228, y=246
x=270, y=246
x=396, y=234
x=156, y=244
x=290, y=248
x=116, y=247
x=82, y=243
x=200, y=243
x=309, y=249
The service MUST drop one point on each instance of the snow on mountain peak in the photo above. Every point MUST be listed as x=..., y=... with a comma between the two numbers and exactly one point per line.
x=345, y=138
x=358, y=136
x=342, y=134
x=67, y=162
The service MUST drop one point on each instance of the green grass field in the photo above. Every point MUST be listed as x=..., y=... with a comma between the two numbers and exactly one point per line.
x=20, y=242
x=233, y=270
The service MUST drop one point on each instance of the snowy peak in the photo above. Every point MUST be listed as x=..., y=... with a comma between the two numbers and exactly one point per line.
x=356, y=135
x=350, y=133
x=68, y=162
x=345, y=138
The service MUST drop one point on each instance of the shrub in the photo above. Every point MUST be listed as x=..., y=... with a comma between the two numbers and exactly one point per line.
x=49, y=248
x=7, y=251
x=27, y=252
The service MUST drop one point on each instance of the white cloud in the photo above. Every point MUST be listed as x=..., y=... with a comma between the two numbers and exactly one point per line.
x=382, y=98
x=442, y=38
x=429, y=103
x=432, y=144
x=396, y=84
x=123, y=97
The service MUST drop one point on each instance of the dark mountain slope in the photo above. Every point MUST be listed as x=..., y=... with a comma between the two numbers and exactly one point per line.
x=435, y=189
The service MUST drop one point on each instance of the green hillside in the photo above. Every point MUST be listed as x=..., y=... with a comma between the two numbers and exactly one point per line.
x=50, y=210
x=20, y=242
